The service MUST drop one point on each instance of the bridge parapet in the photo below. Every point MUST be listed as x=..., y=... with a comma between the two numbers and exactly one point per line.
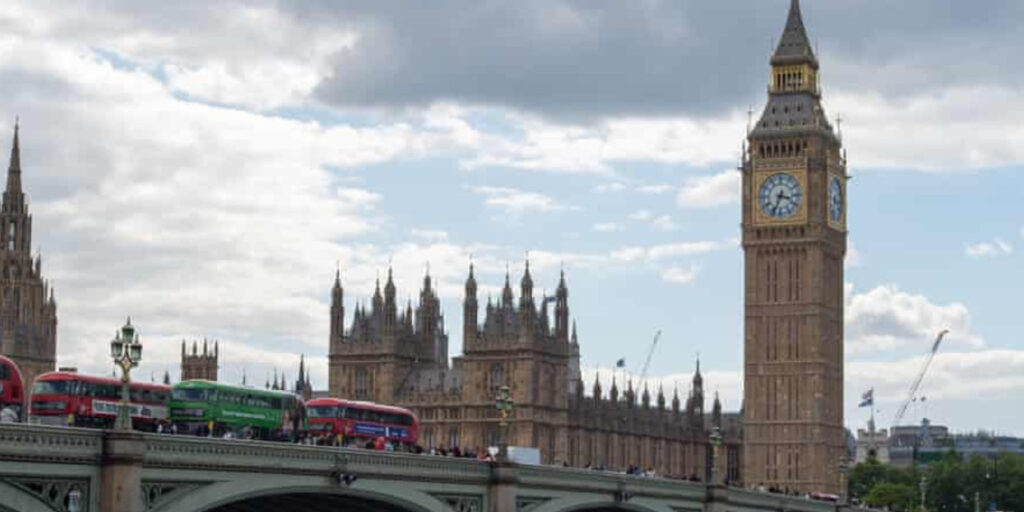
x=39, y=443
x=41, y=466
x=183, y=452
x=743, y=499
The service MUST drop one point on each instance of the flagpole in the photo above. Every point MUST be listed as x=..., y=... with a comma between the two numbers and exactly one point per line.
x=871, y=430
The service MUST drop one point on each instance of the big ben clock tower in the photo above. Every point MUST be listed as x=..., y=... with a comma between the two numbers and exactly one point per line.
x=794, y=242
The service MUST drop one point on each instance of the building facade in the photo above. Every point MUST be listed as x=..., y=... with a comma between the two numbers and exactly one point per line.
x=794, y=242
x=200, y=365
x=402, y=358
x=28, y=310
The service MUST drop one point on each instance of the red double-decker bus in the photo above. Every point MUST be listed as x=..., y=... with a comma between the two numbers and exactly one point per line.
x=12, y=390
x=353, y=419
x=73, y=399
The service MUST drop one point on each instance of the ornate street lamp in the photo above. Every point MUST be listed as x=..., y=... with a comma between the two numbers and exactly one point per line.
x=716, y=443
x=126, y=352
x=924, y=491
x=844, y=470
x=505, y=405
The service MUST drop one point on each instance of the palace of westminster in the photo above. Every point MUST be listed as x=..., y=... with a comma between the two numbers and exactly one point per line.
x=789, y=433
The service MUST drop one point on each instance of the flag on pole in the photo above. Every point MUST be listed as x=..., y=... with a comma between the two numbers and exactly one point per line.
x=867, y=399
x=621, y=363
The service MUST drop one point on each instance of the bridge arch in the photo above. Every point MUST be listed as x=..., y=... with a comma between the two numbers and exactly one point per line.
x=589, y=504
x=13, y=499
x=242, y=496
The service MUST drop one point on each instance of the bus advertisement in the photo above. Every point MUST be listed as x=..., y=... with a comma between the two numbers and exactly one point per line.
x=73, y=399
x=353, y=419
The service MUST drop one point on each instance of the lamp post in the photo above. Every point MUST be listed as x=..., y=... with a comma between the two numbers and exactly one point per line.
x=844, y=470
x=126, y=352
x=924, y=491
x=716, y=443
x=505, y=405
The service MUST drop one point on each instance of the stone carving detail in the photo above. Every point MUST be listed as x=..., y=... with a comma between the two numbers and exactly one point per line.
x=462, y=502
x=155, y=494
x=54, y=491
x=528, y=503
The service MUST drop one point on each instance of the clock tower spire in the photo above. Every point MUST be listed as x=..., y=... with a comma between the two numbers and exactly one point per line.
x=794, y=242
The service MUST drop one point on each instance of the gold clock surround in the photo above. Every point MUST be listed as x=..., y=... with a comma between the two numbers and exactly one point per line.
x=839, y=225
x=762, y=219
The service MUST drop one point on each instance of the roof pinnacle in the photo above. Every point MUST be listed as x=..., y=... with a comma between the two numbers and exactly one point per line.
x=794, y=45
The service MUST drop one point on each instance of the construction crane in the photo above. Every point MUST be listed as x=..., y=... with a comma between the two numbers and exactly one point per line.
x=650, y=352
x=917, y=382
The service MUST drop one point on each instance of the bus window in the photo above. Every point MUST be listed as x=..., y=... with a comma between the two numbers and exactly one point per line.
x=323, y=412
x=185, y=394
x=3, y=372
x=50, y=387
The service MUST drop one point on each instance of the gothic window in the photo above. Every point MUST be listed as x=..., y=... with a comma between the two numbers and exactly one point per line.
x=364, y=384
x=493, y=437
x=453, y=437
x=497, y=378
x=10, y=236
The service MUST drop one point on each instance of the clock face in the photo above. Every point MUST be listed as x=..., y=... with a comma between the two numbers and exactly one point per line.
x=835, y=199
x=780, y=196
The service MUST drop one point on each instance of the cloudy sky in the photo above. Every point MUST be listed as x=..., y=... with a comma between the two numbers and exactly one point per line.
x=204, y=168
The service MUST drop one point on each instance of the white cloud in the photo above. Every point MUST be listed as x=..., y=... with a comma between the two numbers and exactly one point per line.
x=666, y=251
x=609, y=187
x=222, y=223
x=655, y=189
x=607, y=227
x=997, y=247
x=951, y=374
x=641, y=215
x=430, y=235
x=517, y=202
x=710, y=191
x=680, y=275
x=981, y=118
x=854, y=258
x=546, y=146
x=664, y=223
x=887, y=318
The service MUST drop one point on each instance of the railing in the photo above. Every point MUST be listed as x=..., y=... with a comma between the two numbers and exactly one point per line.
x=41, y=443
x=260, y=456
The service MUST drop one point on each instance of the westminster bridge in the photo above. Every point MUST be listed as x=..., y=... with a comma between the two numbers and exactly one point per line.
x=47, y=469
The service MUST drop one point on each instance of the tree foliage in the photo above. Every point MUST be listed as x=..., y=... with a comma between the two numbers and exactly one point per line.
x=898, y=497
x=952, y=483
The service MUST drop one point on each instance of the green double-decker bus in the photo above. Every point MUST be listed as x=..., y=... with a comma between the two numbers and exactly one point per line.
x=201, y=407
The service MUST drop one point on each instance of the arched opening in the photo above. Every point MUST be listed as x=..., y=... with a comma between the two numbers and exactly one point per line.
x=309, y=502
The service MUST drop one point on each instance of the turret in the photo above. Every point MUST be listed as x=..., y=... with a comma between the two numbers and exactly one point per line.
x=14, y=199
x=378, y=300
x=390, y=306
x=661, y=398
x=526, y=289
x=645, y=398
x=597, y=387
x=337, y=312
x=506, y=293
x=716, y=412
x=469, y=310
x=562, y=309
x=614, y=393
x=675, y=401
